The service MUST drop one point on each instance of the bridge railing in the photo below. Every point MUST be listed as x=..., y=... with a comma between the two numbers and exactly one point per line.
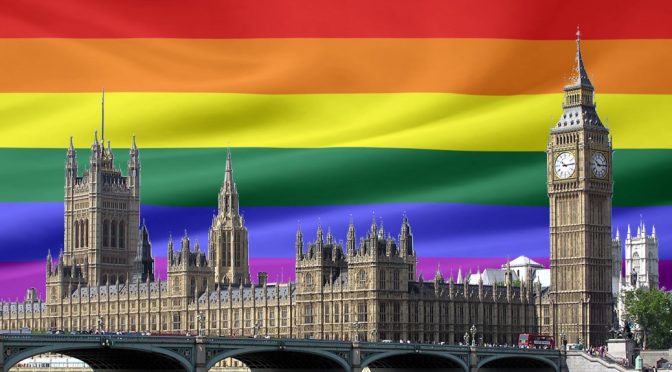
x=95, y=338
x=515, y=350
x=413, y=346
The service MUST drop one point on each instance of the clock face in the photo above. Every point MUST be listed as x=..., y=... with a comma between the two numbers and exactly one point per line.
x=565, y=165
x=598, y=164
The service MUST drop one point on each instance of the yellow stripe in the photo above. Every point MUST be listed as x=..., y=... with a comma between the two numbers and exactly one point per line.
x=399, y=120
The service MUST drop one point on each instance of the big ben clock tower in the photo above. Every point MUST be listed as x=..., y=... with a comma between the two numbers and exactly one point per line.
x=580, y=189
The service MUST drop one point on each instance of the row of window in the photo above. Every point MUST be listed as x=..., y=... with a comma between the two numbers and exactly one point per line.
x=81, y=233
x=114, y=234
x=114, y=205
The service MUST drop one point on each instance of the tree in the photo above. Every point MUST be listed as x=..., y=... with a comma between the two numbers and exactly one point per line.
x=652, y=311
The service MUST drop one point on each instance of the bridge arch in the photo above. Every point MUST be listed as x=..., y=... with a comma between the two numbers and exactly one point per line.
x=517, y=361
x=262, y=357
x=100, y=357
x=410, y=356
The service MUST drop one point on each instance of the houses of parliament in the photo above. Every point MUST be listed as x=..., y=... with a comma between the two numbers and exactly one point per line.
x=365, y=290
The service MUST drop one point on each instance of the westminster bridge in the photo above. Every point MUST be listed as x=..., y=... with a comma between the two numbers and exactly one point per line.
x=122, y=353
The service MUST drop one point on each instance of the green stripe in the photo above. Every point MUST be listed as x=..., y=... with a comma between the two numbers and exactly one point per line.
x=287, y=177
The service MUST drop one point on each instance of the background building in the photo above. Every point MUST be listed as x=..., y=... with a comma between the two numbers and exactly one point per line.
x=641, y=264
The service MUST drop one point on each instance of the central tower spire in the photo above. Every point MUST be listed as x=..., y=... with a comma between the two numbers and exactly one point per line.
x=228, y=234
x=228, y=194
x=102, y=118
x=581, y=77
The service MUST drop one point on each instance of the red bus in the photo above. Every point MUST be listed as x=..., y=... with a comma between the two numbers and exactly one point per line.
x=535, y=341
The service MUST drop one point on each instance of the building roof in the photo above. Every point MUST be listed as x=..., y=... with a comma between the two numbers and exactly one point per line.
x=523, y=261
x=491, y=276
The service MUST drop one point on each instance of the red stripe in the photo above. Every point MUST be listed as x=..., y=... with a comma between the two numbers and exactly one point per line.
x=514, y=19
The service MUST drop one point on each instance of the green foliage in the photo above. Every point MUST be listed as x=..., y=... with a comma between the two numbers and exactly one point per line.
x=652, y=311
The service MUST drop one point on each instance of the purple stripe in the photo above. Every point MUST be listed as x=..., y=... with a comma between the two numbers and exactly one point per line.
x=23, y=275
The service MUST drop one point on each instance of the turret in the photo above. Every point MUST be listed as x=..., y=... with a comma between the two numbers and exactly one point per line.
x=319, y=242
x=405, y=238
x=374, y=228
x=299, y=243
x=438, y=281
x=197, y=253
x=351, y=241
x=61, y=265
x=330, y=237
x=71, y=165
x=451, y=286
x=508, y=282
x=185, y=249
x=134, y=169
x=49, y=262
x=95, y=161
x=170, y=249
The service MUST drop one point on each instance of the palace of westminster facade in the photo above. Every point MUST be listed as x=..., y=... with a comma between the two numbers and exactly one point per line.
x=367, y=290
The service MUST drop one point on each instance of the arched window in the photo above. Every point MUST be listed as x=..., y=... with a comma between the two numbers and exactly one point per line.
x=106, y=233
x=362, y=278
x=309, y=280
x=193, y=285
x=86, y=233
x=81, y=233
x=122, y=234
x=635, y=262
x=113, y=234
x=76, y=234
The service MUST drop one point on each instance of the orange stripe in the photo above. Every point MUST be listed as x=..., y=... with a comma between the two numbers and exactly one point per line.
x=468, y=66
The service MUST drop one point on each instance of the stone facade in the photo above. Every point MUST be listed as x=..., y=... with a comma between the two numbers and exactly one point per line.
x=365, y=290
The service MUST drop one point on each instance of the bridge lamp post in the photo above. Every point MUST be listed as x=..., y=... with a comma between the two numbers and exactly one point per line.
x=473, y=334
x=466, y=338
x=200, y=319
x=374, y=333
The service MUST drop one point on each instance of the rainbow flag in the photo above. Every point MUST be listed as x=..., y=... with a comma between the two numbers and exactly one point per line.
x=439, y=109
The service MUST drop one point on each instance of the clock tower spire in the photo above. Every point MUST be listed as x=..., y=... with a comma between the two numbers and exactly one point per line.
x=580, y=190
